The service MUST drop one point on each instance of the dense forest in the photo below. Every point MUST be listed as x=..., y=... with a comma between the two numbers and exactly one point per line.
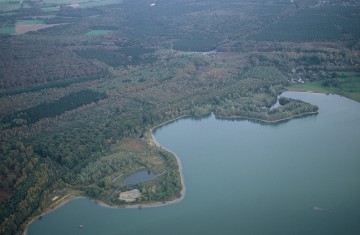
x=83, y=84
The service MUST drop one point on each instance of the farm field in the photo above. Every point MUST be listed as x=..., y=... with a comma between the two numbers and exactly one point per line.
x=348, y=86
x=7, y=30
x=98, y=32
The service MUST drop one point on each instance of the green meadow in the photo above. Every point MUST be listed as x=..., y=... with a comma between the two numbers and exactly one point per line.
x=49, y=9
x=349, y=86
x=29, y=22
x=99, y=3
x=7, y=30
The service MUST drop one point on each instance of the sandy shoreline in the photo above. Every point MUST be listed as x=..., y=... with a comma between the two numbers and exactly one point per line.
x=48, y=211
x=152, y=141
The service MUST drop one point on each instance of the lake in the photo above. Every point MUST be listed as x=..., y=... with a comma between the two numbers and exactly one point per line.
x=297, y=177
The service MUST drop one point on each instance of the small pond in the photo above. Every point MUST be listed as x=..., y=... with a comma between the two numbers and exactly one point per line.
x=138, y=177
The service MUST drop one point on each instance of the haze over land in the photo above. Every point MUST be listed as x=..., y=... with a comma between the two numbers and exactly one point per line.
x=82, y=84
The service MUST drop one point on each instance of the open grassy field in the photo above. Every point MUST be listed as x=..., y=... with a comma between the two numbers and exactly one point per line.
x=49, y=9
x=349, y=86
x=25, y=26
x=52, y=5
x=99, y=3
x=7, y=30
x=29, y=22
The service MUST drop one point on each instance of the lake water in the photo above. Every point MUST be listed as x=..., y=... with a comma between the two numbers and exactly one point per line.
x=138, y=177
x=246, y=178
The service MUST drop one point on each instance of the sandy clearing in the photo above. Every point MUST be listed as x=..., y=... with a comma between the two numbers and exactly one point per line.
x=21, y=29
x=130, y=196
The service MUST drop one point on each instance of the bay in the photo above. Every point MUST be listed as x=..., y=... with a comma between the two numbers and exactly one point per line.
x=242, y=177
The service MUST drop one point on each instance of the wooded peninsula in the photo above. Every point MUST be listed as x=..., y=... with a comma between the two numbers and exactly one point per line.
x=83, y=84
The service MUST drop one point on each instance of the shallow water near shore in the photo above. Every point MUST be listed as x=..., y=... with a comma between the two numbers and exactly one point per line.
x=297, y=177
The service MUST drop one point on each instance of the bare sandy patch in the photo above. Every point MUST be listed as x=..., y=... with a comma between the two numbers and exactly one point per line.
x=130, y=196
x=21, y=29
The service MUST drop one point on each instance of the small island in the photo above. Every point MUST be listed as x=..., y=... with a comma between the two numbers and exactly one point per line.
x=288, y=109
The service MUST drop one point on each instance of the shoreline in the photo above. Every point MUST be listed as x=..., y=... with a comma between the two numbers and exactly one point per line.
x=268, y=121
x=48, y=211
x=321, y=92
x=152, y=142
x=152, y=129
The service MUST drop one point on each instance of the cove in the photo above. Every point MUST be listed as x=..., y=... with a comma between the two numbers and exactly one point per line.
x=244, y=177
